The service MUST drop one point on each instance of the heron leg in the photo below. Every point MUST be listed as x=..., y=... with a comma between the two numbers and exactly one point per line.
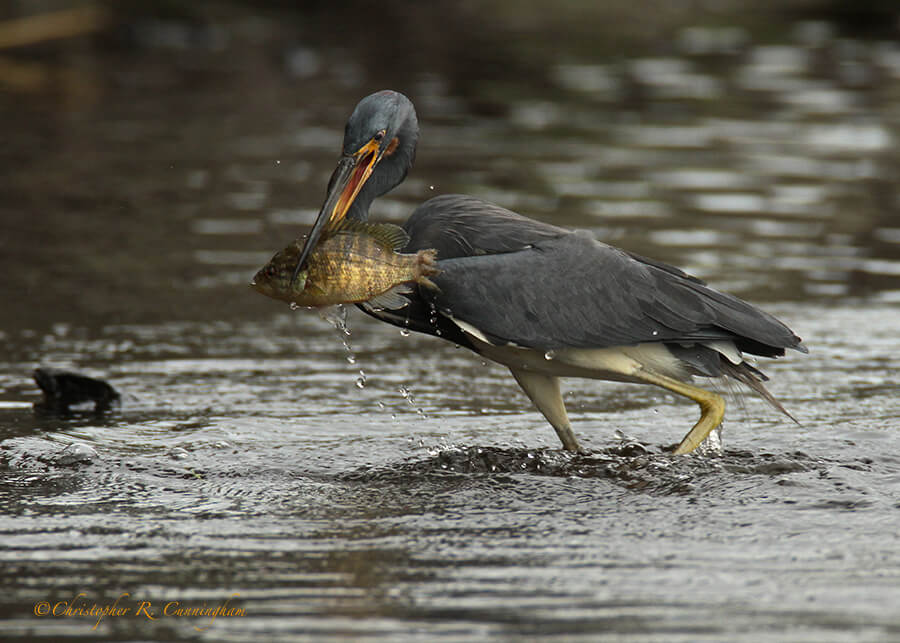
x=712, y=407
x=543, y=390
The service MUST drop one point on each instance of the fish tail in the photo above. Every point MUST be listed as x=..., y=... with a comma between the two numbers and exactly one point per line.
x=425, y=267
x=426, y=262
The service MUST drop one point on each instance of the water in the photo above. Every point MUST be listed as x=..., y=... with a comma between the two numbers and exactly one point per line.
x=246, y=463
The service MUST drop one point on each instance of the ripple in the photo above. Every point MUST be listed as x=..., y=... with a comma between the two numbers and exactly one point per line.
x=703, y=179
x=626, y=209
x=632, y=465
x=226, y=226
x=597, y=80
x=231, y=257
x=731, y=203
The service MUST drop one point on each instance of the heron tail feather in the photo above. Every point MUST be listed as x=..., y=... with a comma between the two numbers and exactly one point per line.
x=753, y=378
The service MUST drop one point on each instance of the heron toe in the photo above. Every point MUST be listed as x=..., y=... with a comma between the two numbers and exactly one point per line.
x=712, y=408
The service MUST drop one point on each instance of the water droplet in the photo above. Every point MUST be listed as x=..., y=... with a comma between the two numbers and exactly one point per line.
x=430, y=187
x=294, y=306
x=360, y=382
x=655, y=333
x=351, y=358
x=404, y=332
x=337, y=317
x=381, y=406
x=277, y=162
x=549, y=355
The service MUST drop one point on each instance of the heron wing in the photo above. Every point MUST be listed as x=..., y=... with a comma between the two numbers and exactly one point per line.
x=570, y=290
x=457, y=225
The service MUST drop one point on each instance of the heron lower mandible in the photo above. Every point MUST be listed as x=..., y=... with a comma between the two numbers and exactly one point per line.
x=544, y=301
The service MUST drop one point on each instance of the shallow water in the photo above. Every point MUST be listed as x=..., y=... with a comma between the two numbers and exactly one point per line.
x=400, y=489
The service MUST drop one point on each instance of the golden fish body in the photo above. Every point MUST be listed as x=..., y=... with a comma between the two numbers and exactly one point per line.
x=359, y=263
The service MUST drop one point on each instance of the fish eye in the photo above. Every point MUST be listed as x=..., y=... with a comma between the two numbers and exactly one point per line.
x=270, y=271
x=378, y=136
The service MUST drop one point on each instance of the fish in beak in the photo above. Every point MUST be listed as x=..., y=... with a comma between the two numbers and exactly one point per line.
x=349, y=176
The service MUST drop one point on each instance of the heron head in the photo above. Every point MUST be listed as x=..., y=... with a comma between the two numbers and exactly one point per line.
x=377, y=122
x=381, y=133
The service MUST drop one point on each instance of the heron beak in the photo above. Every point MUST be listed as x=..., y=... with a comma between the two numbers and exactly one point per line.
x=347, y=180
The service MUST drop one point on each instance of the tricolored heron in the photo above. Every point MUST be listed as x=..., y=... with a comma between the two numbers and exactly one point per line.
x=545, y=301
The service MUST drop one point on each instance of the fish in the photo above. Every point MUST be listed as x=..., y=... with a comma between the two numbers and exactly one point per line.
x=357, y=262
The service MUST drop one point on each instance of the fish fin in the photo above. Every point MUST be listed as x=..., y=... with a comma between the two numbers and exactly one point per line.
x=392, y=299
x=388, y=235
x=425, y=281
x=426, y=267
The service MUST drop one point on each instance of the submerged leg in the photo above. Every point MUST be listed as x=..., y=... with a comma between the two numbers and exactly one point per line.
x=712, y=407
x=543, y=390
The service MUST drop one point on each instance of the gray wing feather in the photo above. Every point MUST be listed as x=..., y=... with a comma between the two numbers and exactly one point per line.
x=457, y=225
x=535, y=285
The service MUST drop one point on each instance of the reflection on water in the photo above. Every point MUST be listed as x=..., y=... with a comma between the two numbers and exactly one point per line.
x=433, y=501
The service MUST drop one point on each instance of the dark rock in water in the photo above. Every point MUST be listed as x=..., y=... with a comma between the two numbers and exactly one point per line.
x=64, y=389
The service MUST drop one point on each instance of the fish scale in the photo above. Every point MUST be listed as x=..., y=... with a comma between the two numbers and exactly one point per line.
x=357, y=263
x=352, y=266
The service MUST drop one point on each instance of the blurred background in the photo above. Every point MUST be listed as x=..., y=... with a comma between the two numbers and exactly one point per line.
x=155, y=153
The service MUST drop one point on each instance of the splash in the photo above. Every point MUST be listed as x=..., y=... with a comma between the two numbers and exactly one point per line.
x=337, y=317
x=712, y=445
x=407, y=395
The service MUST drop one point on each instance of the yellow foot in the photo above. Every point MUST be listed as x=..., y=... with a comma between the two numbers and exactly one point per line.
x=712, y=408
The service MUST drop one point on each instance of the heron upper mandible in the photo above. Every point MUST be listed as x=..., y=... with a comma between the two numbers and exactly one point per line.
x=544, y=301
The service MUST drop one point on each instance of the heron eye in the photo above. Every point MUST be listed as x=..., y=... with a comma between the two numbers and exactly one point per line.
x=378, y=136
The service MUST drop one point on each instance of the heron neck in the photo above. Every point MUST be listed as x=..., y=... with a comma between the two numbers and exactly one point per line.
x=387, y=175
x=359, y=210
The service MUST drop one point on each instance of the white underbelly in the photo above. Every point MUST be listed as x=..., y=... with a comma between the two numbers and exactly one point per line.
x=617, y=364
